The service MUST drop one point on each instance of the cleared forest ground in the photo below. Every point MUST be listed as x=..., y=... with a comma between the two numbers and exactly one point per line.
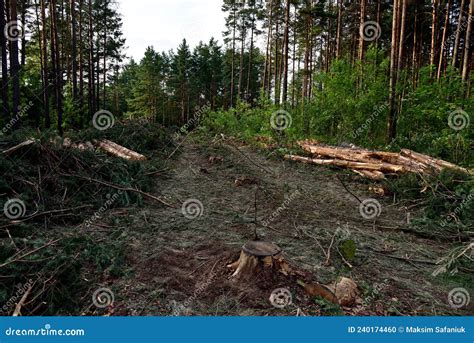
x=174, y=265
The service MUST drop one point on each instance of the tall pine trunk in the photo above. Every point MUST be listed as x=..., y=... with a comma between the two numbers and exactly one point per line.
x=392, y=117
x=3, y=48
x=15, y=68
x=458, y=34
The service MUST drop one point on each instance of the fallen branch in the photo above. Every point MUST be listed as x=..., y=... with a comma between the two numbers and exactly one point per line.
x=119, y=151
x=22, y=301
x=18, y=147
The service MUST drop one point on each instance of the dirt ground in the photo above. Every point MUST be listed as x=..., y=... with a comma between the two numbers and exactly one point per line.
x=176, y=265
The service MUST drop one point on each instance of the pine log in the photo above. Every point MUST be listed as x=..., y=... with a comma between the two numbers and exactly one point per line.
x=18, y=147
x=371, y=174
x=119, y=151
x=432, y=162
x=364, y=156
x=381, y=167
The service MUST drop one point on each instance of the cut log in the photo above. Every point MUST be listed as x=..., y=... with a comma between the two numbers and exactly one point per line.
x=432, y=162
x=371, y=174
x=345, y=290
x=381, y=167
x=257, y=256
x=18, y=147
x=119, y=151
x=364, y=156
x=319, y=290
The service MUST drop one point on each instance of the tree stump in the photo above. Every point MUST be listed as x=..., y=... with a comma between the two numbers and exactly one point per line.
x=257, y=256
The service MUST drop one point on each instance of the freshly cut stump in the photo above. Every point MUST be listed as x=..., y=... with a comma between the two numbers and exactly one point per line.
x=256, y=256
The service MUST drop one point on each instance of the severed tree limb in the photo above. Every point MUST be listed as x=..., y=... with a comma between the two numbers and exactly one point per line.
x=17, y=147
x=22, y=301
x=119, y=151
x=436, y=164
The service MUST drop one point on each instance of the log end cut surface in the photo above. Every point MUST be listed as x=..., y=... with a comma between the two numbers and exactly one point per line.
x=261, y=248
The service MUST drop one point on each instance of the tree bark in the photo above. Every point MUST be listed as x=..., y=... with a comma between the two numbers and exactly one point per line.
x=392, y=118
x=434, y=25
x=467, y=47
x=339, y=28
x=443, y=40
x=5, y=79
x=458, y=34
x=44, y=48
x=74, y=48
x=286, y=52
x=15, y=68
x=362, y=22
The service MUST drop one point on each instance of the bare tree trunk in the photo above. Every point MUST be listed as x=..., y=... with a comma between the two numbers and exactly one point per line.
x=241, y=64
x=443, y=40
x=250, y=66
x=105, y=58
x=339, y=29
x=5, y=79
x=268, y=57
x=232, y=73
x=23, y=39
x=15, y=68
x=91, y=81
x=401, y=37
x=433, y=33
x=362, y=22
x=467, y=47
x=58, y=75
x=458, y=34
x=277, y=64
x=392, y=118
x=81, y=58
x=44, y=47
x=286, y=52
x=74, y=48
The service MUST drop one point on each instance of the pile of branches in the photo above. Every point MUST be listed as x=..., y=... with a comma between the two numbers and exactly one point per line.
x=375, y=165
x=58, y=239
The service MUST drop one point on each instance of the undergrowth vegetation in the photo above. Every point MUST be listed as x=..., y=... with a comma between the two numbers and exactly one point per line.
x=341, y=113
x=64, y=195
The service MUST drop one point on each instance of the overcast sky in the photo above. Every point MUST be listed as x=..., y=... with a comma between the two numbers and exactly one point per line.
x=164, y=23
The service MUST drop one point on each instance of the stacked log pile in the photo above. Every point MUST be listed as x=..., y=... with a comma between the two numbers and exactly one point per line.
x=375, y=165
x=104, y=145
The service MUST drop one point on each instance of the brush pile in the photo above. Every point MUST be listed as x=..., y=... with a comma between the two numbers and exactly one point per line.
x=375, y=165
